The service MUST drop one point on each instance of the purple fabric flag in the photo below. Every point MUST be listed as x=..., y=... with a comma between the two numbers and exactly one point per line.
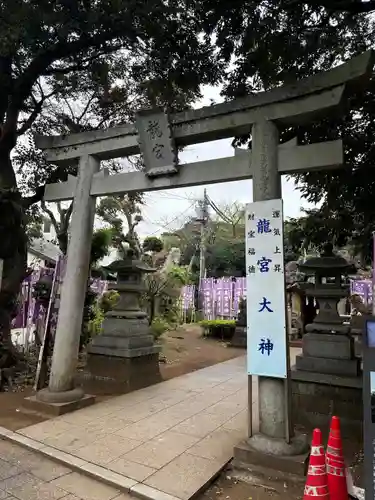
x=239, y=292
x=55, y=295
x=23, y=301
x=187, y=295
x=207, y=297
x=224, y=288
x=363, y=288
x=99, y=286
x=34, y=278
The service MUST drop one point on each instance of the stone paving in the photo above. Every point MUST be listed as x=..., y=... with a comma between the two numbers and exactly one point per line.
x=26, y=475
x=162, y=442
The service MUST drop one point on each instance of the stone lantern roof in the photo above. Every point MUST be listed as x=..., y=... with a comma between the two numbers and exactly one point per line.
x=327, y=263
x=125, y=265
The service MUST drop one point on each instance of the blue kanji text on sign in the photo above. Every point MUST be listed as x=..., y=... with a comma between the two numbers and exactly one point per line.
x=263, y=226
x=264, y=265
x=264, y=305
x=265, y=346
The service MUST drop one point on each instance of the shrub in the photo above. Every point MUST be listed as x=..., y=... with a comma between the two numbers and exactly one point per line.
x=108, y=300
x=159, y=326
x=95, y=324
x=218, y=328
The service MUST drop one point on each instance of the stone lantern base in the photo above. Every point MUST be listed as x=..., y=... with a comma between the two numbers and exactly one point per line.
x=326, y=381
x=124, y=358
x=119, y=374
x=328, y=353
x=318, y=396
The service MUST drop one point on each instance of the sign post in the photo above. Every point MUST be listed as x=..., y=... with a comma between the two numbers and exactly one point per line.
x=1, y=271
x=368, y=338
x=267, y=352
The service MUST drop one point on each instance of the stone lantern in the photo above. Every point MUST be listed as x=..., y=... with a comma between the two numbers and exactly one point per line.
x=327, y=344
x=326, y=377
x=124, y=356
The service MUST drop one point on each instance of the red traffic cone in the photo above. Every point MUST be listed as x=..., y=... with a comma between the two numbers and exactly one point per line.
x=316, y=481
x=338, y=489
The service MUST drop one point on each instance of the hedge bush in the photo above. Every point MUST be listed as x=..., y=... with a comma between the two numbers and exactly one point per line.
x=218, y=328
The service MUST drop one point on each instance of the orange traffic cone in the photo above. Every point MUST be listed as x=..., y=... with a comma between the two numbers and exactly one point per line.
x=316, y=481
x=338, y=489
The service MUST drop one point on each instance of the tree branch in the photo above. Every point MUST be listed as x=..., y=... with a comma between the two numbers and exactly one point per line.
x=39, y=65
x=31, y=119
x=86, y=108
x=50, y=215
x=6, y=75
x=59, y=174
x=80, y=66
x=350, y=6
x=67, y=216
x=59, y=209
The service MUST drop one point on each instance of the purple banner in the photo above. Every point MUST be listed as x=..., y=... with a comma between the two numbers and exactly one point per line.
x=187, y=295
x=32, y=312
x=218, y=297
x=363, y=288
x=239, y=292
x=224, y=288
x=207, y=294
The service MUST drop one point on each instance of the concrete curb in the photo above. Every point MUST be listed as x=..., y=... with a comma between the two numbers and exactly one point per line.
x=118, y=481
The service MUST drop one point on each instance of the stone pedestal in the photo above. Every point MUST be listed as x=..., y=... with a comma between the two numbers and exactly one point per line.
x=124, y=356
x=316, y=397
x=326, y=379
x=239, y=338
x=328, y=353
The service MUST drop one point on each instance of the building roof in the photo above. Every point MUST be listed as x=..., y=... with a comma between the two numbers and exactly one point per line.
x=44, y=249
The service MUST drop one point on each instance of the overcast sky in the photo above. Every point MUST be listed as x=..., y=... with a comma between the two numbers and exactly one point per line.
x=168, y=210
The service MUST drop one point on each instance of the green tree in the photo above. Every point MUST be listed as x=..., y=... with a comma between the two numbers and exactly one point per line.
x=350, y=6
x=275, y=42
x=53, y=53
x=100, y=245
x=152, y=244
x=114, y=210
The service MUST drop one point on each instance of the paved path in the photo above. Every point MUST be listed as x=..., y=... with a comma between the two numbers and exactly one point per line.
x=27, y=475
x=171, y=438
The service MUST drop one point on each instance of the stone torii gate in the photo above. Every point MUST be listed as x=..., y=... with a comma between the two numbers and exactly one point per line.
x=156, y=136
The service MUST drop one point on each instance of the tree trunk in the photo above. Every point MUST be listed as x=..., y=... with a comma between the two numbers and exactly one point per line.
x=152, y=309
x=62, y=238
x=13, y=251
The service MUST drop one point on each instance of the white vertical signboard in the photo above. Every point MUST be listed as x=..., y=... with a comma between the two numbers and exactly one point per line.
x=266, y=325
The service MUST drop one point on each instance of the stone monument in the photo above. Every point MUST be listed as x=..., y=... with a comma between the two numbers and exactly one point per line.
x=240, y=333
x=326, y=377
x=124, y=356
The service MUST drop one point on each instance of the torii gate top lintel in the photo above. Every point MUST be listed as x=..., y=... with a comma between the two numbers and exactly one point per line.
x=305, y=99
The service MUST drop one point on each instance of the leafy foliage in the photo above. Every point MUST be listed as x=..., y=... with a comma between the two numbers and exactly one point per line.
x=275, y=42
x=152, y=244
x=100, y=307
x=101, y=242
x=78, y=65
x=159, y=326
x=113, y=210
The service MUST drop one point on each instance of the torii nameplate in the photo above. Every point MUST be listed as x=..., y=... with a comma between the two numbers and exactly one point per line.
x=156, y=142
